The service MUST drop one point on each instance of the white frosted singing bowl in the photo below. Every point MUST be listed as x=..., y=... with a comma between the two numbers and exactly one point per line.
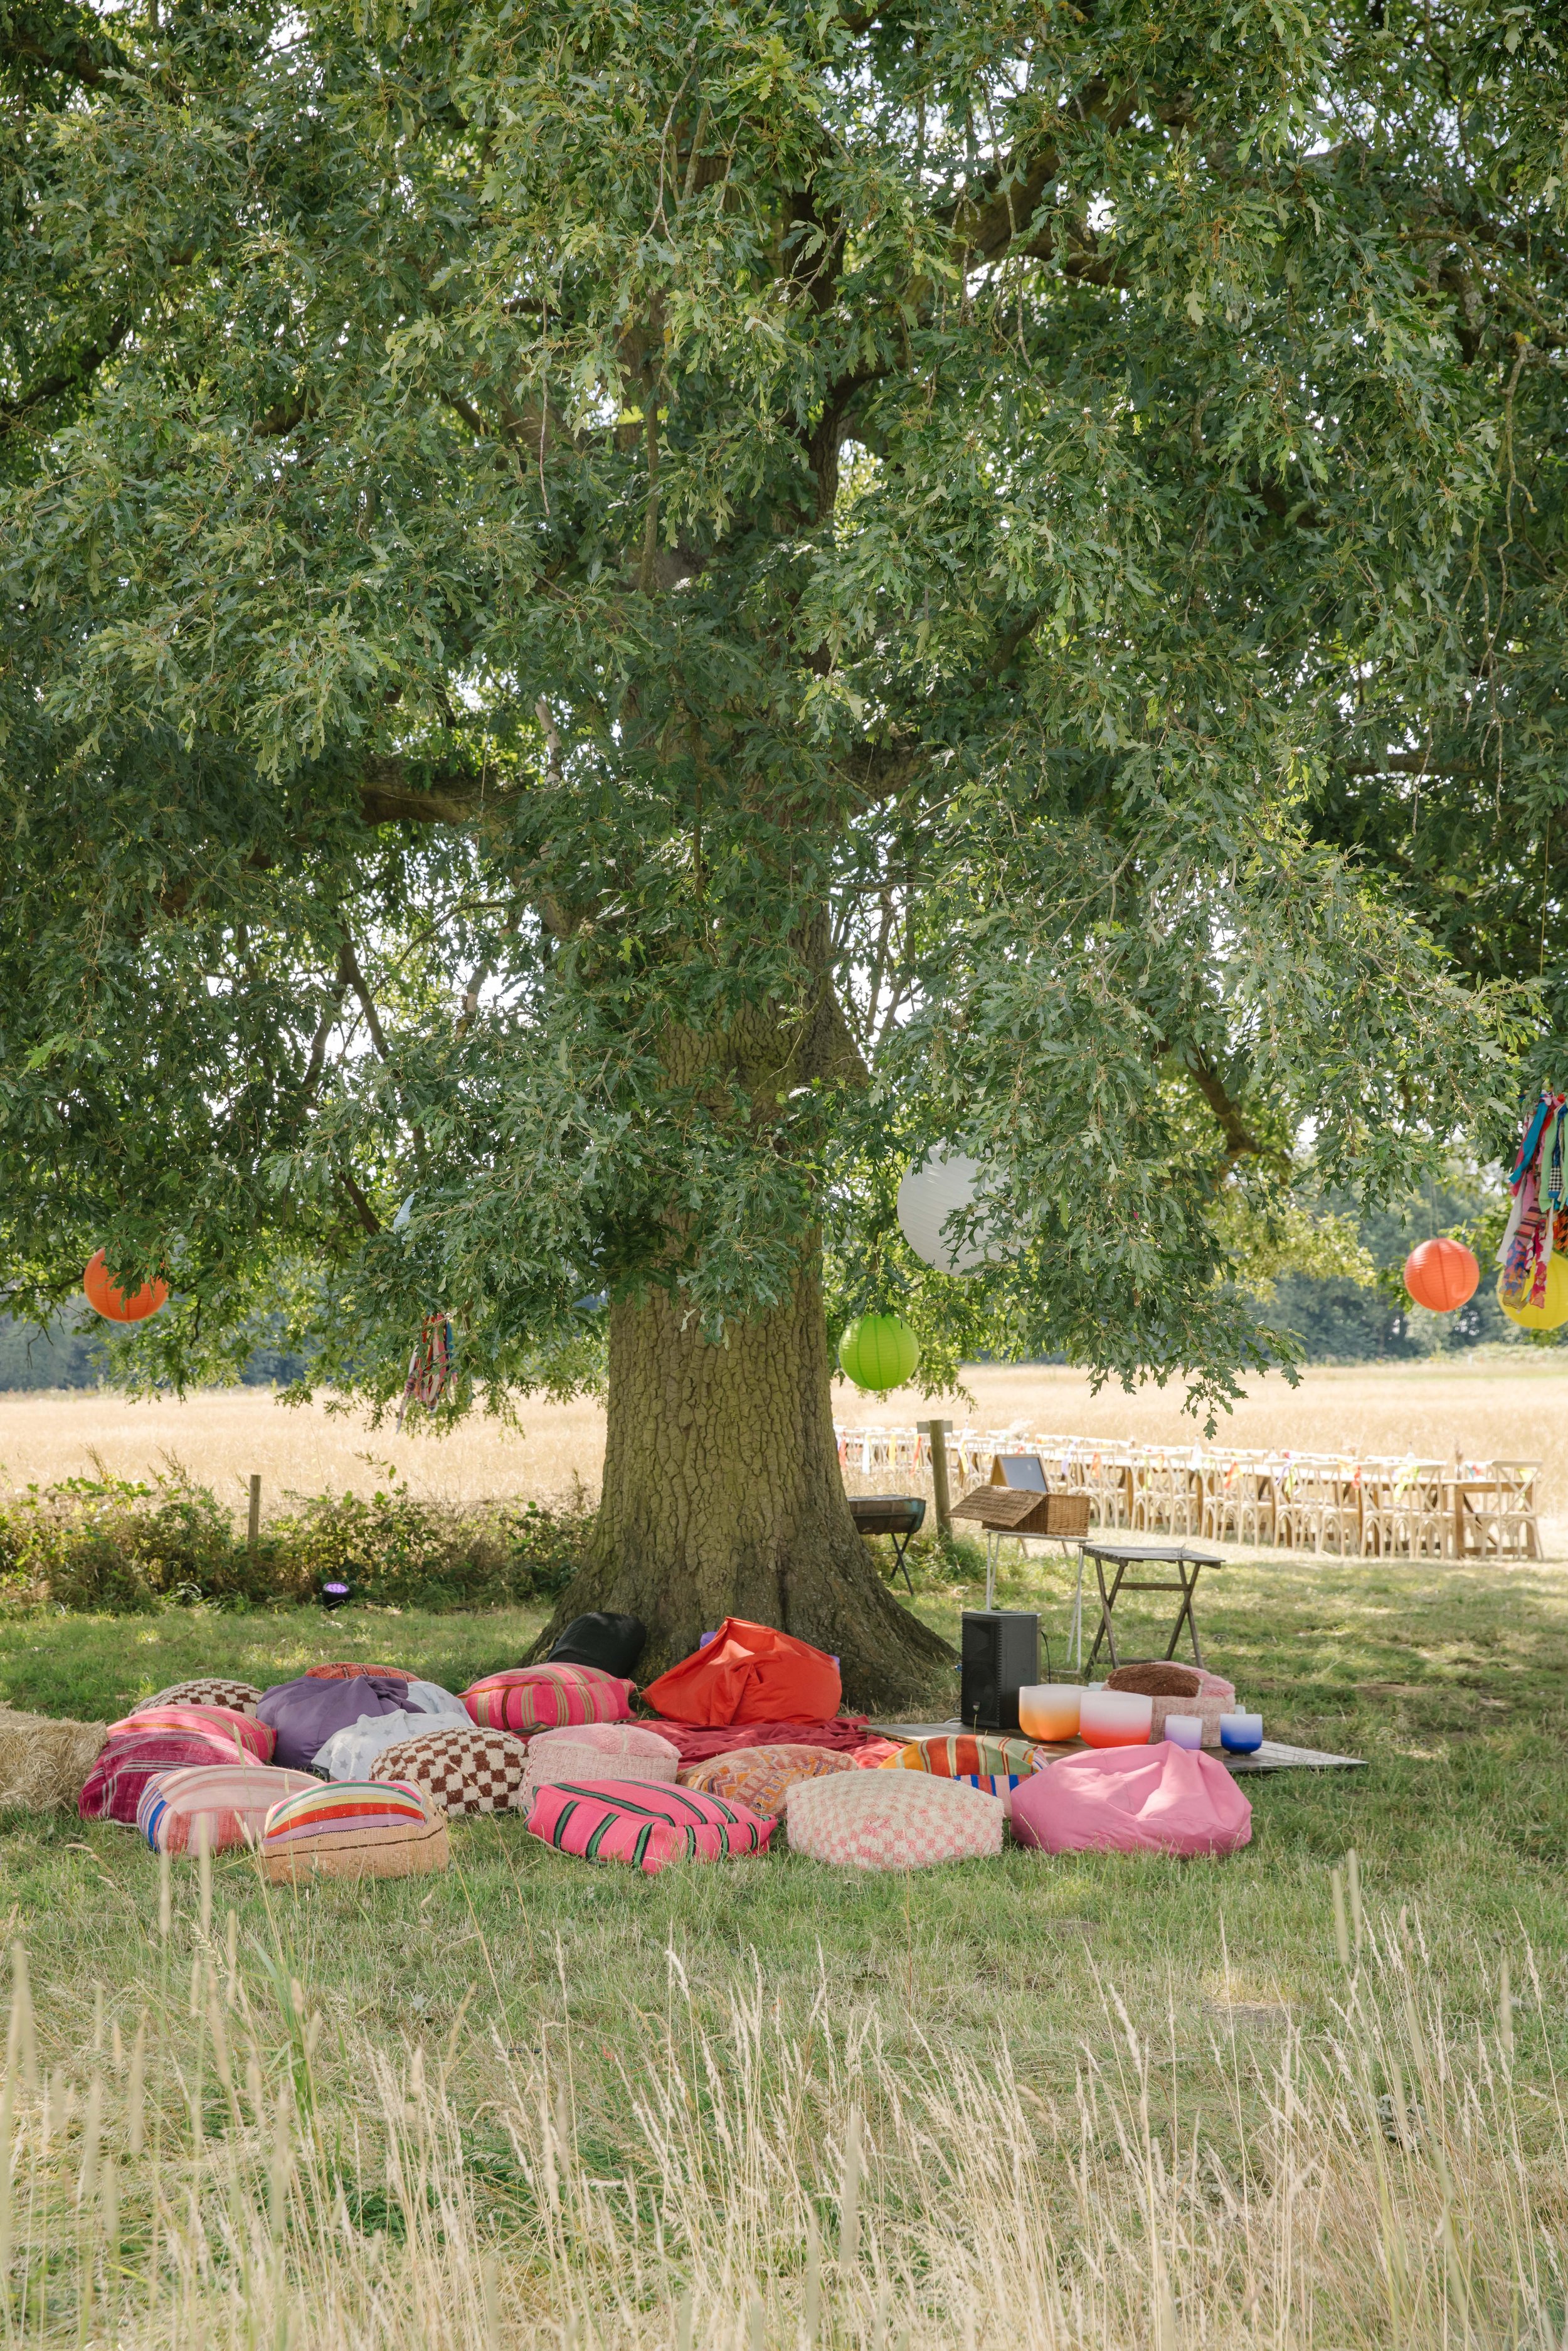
x=1108, y=1717
x=1049, y=1710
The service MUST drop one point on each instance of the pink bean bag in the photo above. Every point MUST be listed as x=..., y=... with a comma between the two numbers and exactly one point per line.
x=1160, y=1799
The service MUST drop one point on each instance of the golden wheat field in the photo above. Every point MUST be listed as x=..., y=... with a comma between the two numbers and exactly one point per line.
x=1484, y=1409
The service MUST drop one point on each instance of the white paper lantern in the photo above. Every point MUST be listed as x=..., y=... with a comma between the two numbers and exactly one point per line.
x=927, y=1196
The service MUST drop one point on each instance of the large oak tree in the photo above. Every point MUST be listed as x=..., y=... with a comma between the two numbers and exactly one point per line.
x=617, y=617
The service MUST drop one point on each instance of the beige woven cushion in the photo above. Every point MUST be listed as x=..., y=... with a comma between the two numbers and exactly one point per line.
x=890, y=1820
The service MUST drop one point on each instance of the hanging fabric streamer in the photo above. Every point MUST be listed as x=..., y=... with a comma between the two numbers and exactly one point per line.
x=1539, y=1182
x=429, y=1366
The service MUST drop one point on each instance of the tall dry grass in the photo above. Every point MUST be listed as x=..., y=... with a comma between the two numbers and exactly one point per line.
x=1504, y=1410
x=228, y=2172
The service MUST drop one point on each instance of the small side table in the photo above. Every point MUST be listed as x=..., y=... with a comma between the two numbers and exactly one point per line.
x=900, y=1517
x=1185, y=1558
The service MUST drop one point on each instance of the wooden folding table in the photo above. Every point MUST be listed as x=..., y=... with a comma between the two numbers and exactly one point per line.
x=1186, y=1559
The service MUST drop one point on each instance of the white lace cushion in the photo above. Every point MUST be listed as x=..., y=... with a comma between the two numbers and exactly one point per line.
x=890, y=1820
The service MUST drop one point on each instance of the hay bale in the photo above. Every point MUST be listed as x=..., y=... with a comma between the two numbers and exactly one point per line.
x=44, y=1763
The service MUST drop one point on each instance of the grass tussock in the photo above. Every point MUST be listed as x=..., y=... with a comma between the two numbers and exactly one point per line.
x=124, y=1545
x=195, y=2173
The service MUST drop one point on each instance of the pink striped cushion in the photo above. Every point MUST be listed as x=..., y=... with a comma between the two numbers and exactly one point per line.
x=226, y=1802
x=597, y=1751
x=114, y=1785
x=544, y=1697
x=646, y=1823
x=258, y=1738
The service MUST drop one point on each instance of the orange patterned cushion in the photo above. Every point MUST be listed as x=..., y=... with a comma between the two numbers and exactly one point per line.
x=760, y=1777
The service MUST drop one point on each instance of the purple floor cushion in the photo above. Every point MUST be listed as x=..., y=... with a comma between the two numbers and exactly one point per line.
x=646, y=1822
x=304, y=1714
x=1160, y=1799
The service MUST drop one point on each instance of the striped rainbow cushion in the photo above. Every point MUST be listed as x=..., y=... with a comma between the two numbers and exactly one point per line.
x=256, y=1738
x=354, y=1828
x=546, y=1698
x=226, y=1803
x=644, y=1822
x=995, y=1765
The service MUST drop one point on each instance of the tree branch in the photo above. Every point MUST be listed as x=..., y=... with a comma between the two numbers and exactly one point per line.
x=389, y=795
x=64, y=379
x=1240, y=1143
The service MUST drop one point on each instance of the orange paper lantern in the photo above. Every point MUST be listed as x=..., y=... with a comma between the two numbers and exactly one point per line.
x=1440, y=1275
x=112, y=1303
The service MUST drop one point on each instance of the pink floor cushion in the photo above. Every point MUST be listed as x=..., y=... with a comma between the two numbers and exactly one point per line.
x=114, y=1785
x=461, y=1768
x=892, y=1820
x=547, y=1698
x=761, y=1777
x=354, y=1828
x=646, y=1823
x=598, y=1750
x=993, y=1764
x=1160, y=1799
x=210, y=1689
x=242, y=1730
x=222, y=1804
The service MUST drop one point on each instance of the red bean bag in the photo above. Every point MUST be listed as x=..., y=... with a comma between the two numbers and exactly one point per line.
x=749, y=1673
x=1160, y=1799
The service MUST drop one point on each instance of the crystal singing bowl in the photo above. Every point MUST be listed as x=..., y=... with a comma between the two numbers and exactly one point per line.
x=1048, y=1711
x=1110, y=1718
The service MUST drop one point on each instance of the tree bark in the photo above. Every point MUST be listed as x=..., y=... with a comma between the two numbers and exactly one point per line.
x=722, y=1497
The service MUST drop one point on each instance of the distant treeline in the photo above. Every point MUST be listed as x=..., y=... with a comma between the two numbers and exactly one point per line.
x=72, y=1353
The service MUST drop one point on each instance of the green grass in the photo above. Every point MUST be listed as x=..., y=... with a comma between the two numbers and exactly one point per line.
x=1452, y=1682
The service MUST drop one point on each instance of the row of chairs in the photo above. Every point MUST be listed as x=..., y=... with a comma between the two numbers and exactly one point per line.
x=1348, y=1505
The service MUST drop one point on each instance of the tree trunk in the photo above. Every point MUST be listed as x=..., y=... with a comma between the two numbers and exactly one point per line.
x=722, y=1497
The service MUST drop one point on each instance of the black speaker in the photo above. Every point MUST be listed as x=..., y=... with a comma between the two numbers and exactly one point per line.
x=1000, y=1656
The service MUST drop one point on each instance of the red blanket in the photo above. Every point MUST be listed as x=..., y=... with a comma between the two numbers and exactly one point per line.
x=846, y=1732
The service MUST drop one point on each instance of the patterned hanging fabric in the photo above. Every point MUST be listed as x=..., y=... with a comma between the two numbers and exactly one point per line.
x=429, y=1366
x=1539, y=1181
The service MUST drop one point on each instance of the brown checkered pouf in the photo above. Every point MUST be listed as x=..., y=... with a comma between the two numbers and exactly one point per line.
x=211, y=1691
x=463, y=1771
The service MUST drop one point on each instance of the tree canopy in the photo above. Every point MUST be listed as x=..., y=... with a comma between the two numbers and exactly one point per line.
x=618, y=617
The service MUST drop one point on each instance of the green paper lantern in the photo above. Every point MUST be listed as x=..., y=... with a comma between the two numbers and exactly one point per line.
x=879, y=1352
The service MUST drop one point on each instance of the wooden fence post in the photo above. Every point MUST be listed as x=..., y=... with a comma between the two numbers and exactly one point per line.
x=254, y=1536
x=936, y=1431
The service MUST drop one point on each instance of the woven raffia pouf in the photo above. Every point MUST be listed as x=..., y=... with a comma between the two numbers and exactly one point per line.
x=598, y=1750
x=890, y=1820
x=460, y=1769
x=211, y=1689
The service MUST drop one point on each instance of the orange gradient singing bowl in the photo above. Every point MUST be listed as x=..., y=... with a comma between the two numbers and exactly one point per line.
x=1048, y=1711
